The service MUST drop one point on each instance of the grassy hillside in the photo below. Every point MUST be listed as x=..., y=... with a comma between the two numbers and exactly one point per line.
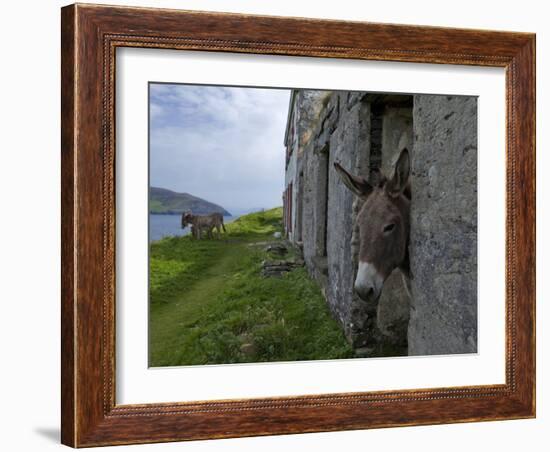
x=210, y=305
x=163, y=201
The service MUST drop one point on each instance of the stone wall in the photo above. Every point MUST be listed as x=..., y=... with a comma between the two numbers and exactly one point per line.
x=365, y=133
x=443, y=246
x=305, y=109
x=350, y=146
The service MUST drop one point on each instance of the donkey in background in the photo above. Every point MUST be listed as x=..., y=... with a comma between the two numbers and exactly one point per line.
x=200, y=223
x=384, y=227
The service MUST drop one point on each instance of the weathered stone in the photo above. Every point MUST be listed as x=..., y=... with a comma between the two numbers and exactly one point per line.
x=302, y=122
x=349, y=145
x=278, y=268
x=443, y=247
x=397, y=133
x=277, y=248
x=315, y=204
x=393, y=309
x=352, y=97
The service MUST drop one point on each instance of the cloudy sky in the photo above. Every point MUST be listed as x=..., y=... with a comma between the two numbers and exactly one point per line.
x=222, y=144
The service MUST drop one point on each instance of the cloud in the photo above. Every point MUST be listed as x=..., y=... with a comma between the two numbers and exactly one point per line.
x=219, y=143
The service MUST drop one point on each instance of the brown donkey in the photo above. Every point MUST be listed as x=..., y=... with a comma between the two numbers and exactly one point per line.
x=200, y=223
x=384, y=227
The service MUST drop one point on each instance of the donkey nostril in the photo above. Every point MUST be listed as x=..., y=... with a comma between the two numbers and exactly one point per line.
x=364, y=292
x=368, y=292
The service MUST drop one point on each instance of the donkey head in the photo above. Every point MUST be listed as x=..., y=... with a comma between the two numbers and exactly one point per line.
x=384, y=226
x=186, y=218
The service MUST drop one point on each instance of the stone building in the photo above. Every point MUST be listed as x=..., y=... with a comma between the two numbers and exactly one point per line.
x=365, y=132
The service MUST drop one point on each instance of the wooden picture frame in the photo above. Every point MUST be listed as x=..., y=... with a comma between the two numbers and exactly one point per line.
x=90, y=36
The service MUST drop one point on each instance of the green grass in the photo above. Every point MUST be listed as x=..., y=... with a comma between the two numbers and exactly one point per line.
x=208, y=300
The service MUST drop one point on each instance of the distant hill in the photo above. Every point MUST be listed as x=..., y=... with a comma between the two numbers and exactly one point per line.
x=163, y=201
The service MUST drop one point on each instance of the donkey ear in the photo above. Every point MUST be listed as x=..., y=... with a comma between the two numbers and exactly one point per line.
x=356, y=184
x=398, y=183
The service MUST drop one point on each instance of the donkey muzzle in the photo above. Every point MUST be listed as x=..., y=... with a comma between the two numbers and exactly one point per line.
x=369, y=282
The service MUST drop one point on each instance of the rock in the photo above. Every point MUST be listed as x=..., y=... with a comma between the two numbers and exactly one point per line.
x=393, y=310
x=277, y=248
x=277, y=268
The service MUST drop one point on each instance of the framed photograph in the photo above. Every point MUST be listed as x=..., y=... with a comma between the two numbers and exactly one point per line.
x=281, y=225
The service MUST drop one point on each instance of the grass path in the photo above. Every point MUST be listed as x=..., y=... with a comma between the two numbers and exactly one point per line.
x=210, y=305
x=172, y=323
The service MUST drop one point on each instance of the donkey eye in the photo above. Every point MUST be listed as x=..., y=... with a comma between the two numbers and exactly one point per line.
x=389, y=227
